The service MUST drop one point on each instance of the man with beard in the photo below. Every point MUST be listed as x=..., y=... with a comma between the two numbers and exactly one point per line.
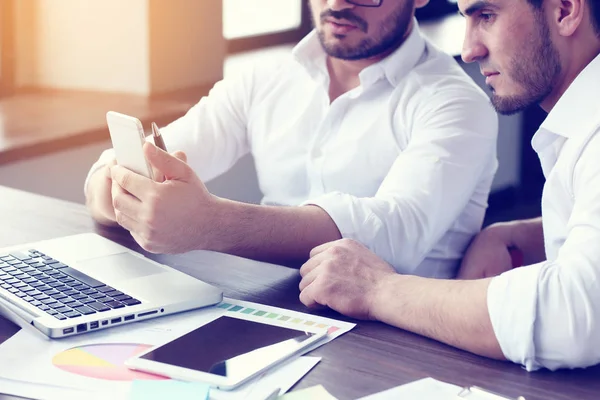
x=547, y=313
x=368, y=132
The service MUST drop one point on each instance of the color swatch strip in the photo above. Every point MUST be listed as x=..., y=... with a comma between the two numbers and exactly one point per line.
x=275, y=316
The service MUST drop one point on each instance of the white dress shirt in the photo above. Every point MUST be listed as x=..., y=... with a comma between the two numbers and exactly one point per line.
x=403, y=163
x=548, y=314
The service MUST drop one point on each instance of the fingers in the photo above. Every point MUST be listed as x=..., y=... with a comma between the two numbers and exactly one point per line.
x=122, y=218
x=131, y=182
x=309, y=265
x=168, y=165
x=108, y=167
x=319, y=254
x=126, y=222
x=308, y=288
x=124, y=203
x=158, y=175
x=307, y=297
x=325, y=246
x=309, y=277
x=144, y=244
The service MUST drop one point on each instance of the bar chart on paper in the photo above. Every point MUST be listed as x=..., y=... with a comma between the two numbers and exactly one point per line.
x=103, y=361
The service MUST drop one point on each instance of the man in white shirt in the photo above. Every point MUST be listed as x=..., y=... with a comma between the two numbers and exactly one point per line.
x=368, y=132
x=547, y=313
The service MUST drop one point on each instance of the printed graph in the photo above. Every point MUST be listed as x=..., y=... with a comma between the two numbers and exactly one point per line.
x=282, y=316
x=103, y=361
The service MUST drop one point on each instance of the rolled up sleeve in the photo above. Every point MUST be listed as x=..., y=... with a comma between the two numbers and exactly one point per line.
x=448, y=163
x=547, y=315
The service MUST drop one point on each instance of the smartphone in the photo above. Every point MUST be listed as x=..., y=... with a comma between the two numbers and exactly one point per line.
x=226, y=352
x=127, y=135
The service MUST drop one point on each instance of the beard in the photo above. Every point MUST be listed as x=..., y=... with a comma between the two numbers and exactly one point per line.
x=536, y=70
x=388, y=36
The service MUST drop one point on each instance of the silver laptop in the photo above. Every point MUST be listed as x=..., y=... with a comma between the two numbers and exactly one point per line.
x=83, y=283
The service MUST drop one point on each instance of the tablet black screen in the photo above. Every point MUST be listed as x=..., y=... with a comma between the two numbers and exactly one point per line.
x=229, y=347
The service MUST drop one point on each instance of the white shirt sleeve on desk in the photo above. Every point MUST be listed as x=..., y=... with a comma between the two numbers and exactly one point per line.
x=427, y=187
x=548, y=315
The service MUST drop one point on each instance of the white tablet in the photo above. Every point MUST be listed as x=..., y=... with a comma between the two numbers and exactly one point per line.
x=226, y=352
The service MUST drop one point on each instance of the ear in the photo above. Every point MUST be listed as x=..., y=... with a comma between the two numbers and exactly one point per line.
x=568, y=15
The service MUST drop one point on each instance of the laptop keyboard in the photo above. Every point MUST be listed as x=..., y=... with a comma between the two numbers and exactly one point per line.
x=56, y=288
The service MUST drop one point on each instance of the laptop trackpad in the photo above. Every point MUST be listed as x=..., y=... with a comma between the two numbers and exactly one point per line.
x=118, y=267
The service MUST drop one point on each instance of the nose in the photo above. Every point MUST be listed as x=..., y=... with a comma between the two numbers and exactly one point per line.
x=473, y=48
x=337, y=5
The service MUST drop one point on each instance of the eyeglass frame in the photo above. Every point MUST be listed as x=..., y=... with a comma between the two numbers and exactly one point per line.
x=364, y=5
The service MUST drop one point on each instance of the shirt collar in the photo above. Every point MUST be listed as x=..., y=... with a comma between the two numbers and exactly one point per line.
x=396, y=66
x=577, y=110
x=311, y=56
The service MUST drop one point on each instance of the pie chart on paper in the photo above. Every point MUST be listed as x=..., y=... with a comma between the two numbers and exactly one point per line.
x=103, y=361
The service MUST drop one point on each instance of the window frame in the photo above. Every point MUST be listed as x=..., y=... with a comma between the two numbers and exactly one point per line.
x=239, y=45
x=7, y=47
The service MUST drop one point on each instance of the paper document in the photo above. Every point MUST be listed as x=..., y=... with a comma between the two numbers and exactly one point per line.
x=93, y=362
x=282, y=379
x=430, y=388
x=169, y=389
x=312, y=393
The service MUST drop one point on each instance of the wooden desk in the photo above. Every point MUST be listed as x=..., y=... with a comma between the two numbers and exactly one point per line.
x=371, y=358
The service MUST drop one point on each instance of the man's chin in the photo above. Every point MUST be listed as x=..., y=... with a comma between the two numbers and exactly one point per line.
x=508, y=105
x=341, y=41
x=341, y=51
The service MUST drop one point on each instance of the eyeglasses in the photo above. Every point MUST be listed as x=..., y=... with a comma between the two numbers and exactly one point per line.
x=365, y=3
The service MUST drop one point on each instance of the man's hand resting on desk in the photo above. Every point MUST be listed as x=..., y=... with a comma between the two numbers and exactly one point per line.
x=345, y=276
x=504, y=246
x=164, y=217
x=490, y=254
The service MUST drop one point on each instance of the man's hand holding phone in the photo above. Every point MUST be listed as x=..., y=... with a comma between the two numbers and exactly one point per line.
x=128, y=139
x=164, y=217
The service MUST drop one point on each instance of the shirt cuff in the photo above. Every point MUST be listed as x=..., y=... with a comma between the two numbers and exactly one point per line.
x=346, y=214
x=512, y=306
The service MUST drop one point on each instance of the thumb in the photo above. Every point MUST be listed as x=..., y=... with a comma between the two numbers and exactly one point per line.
x=171, y=167
x=180, y=155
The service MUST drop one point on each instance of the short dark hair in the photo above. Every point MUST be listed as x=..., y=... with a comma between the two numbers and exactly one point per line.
x=594, y=11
